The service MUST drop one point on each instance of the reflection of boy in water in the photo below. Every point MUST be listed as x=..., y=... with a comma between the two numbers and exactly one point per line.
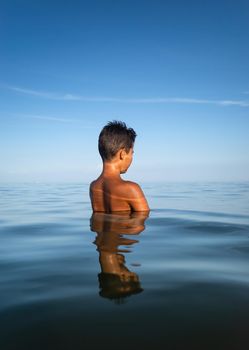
x=109, y=192
x=116, y=280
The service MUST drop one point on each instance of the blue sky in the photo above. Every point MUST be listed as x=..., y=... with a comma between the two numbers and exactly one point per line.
x=175, y=71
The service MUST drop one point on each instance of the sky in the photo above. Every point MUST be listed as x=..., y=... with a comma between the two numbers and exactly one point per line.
x=175, y=71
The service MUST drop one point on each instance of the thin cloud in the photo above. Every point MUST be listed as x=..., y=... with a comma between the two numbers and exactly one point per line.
x=33, y=92
x=52, y=119
x=159, y=100
x=55, y=119
x=234, y=103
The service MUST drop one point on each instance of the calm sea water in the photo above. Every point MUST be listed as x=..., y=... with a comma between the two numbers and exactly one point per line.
x=178, y=279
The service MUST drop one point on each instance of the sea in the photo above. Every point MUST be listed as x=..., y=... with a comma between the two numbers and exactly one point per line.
x=177, y=278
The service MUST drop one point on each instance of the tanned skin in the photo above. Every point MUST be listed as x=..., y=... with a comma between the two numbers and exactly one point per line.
x=110, y=193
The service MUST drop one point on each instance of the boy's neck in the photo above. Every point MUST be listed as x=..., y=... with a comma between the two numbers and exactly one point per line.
x=111, y=169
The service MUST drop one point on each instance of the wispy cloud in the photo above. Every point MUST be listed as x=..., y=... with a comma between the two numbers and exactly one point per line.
x=53, y=119
x=158, y=100
x=47, y=95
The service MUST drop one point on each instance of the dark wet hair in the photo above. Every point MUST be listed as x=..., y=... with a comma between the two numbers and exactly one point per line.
x=114, y=136
x=113, y=288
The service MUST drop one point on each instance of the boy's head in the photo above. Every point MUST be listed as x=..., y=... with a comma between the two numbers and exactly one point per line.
x=114, y=137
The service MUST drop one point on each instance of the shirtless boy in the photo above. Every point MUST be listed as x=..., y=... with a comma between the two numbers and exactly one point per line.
x=109, y=192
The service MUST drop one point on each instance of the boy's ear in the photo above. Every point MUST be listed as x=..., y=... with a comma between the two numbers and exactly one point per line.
x=122, y=154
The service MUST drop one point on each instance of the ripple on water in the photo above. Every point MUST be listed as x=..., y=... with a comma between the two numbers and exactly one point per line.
x=215, y=228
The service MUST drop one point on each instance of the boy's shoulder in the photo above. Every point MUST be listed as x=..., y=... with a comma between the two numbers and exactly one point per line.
x=129, y=187
x=136, y=196
x=133, y=188
x=125, y=193
x=93, y=183
x=97, y=183
x=131, y=184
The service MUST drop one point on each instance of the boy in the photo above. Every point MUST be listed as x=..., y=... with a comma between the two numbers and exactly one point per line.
x=109, y=192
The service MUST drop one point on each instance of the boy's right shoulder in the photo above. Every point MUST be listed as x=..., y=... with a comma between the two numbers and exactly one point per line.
x=130, y=184
x=133, y=189
x=136, y=197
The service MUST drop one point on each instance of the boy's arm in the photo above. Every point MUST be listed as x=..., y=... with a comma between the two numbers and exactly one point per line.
x=137, y=199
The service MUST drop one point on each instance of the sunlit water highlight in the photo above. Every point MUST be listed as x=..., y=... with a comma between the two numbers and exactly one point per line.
x=178, y=279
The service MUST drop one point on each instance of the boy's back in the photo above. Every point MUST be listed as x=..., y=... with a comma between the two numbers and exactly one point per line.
x=108, y=195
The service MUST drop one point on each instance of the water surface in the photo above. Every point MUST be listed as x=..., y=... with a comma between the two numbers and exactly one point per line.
x=177, y=279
